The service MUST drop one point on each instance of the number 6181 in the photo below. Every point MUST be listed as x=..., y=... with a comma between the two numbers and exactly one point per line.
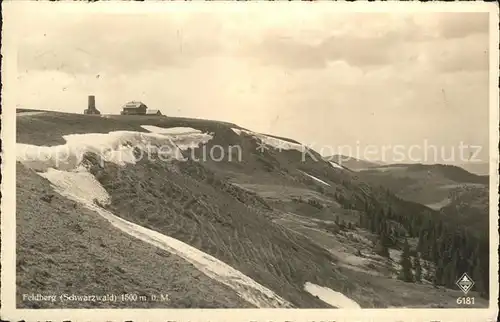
x=465, y=300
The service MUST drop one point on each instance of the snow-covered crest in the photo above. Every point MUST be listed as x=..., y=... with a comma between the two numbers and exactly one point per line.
x=171, y=130
x=183, y=137
x=119, y=147
x=274, y=142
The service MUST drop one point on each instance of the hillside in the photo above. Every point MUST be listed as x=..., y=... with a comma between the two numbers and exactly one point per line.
x=57, y=239
x=479, y=168
x=269, y=224
x=436, y=186
x=471, y=204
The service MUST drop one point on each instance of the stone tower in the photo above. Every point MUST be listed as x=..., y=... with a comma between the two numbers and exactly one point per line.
x=91, y=102
x=91, y=109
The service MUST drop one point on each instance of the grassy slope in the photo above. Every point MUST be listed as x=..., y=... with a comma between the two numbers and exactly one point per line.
x=49, y=128
x=230, y=223
x=197, y=209
x=65, y=248
x=207, y=214
x=370, y=271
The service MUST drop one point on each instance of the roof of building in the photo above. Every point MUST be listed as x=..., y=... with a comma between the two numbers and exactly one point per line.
x=153, y=111
x=134, y=104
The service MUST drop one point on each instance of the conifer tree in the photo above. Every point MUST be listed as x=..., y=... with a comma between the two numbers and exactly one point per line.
x=373, y=224
x=362, y=221
x=434, y=251
x=438, y=273
x=381, y=247
x=448, y=274
x=477, y=276
x=420, y=245
x=418, y=269
x=406, y=274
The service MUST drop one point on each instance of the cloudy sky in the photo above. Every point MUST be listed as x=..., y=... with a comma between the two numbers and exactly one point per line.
x=324, y=78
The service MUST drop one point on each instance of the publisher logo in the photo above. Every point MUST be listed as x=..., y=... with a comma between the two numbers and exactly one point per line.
x=465, y=283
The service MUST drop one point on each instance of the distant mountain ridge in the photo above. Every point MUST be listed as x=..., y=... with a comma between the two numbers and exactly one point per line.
x=452, y=172
x=479, y=168
x=450, y=189
x=353, y=163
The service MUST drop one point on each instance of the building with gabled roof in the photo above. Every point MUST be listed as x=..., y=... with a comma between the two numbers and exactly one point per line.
x=134, y=108
x=138, y=108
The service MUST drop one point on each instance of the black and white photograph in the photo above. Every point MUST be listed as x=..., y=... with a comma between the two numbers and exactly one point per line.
x=250, y=155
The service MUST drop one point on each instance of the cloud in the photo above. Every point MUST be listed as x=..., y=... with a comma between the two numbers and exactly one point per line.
x=460, y=25
x=448, y=42
x=115, y=43
x=465, y=54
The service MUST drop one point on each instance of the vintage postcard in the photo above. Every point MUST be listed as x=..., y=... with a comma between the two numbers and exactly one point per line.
x=249, y=161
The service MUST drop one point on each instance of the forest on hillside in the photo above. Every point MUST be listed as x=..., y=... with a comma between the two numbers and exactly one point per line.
x=452, y=248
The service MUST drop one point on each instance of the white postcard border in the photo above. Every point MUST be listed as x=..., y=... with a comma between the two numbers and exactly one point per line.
x=9, y=77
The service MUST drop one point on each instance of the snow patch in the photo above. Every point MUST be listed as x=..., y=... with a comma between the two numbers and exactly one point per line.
x=316, y=179
x=331, y=297
x=237, y=131
x=441, y=204
x=183, y=137
x=336, y=165
x=276, y=143
x=80, y=183
x=170, y=130
x=82, y=187
x=119, y=147
x=280, y=144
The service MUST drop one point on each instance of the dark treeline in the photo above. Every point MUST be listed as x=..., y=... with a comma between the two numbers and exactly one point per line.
x=452, y=248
